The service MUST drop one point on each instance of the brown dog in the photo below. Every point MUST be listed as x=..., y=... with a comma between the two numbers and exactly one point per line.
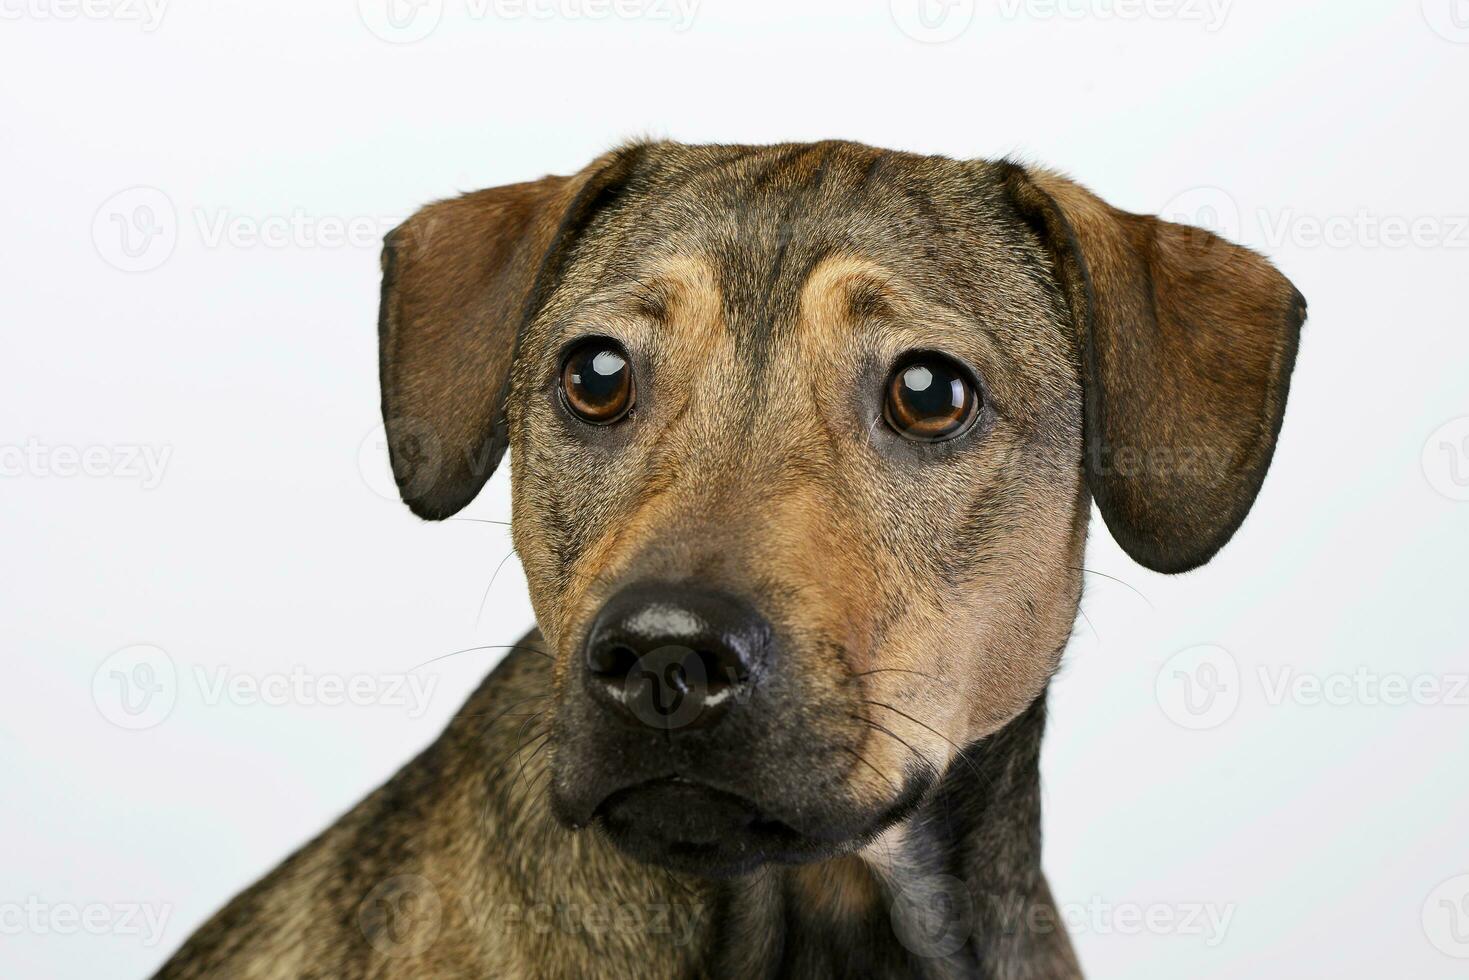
x=804, y=439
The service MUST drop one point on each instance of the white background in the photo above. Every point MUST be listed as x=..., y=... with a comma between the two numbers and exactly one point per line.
x=1324, y=828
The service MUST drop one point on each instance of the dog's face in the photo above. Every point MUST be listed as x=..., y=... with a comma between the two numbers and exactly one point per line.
x=804, y=442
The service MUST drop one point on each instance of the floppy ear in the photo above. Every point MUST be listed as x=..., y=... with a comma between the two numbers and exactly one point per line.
x=460, y=278
x=1187, y=344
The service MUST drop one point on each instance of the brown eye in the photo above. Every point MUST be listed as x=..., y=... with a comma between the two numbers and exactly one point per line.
x=596, y=382
x=930, y=399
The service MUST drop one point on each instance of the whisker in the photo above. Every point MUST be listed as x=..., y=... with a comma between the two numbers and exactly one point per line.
x=480, y=520
x=511, y=756
x=940, y=792
x=957, y=749
x=864, y=760
x=922, y=760
x=541, y=778
x=896, y=670
x=872, y=428
x=543, y=738
x=678, y=884
x=488, y=646
x=1082, y=613
x=508, y=708
x=1114, y=578
x=593, y=577
x=532, y=756
x=480, y=615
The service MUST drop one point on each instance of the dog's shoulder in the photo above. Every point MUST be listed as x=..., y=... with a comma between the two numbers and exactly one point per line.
x=456, y=867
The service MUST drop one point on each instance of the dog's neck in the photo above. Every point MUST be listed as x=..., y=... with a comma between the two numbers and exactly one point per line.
x=954, y=890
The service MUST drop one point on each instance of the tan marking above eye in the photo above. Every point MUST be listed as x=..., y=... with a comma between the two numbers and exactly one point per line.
x=597, y=382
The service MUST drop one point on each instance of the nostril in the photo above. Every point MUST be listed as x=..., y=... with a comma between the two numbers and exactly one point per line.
x=702, y=670
x=714, y=669
x=719, y=669
x=611, y=660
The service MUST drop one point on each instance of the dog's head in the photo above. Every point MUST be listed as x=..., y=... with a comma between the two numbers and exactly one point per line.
x=804, y=442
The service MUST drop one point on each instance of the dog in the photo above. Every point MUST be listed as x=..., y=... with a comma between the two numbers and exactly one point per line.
x=805, y=441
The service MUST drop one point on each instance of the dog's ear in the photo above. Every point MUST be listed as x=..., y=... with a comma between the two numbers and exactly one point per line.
x=460, y=278
x=1186, y=347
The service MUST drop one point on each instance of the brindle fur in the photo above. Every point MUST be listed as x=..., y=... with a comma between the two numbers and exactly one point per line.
x=921, y=595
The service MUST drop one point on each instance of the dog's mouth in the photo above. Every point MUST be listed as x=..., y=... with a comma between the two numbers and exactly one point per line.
x=693, y=827
x=690, y=826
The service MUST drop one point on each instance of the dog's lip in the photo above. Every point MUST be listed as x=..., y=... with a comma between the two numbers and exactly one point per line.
x=580, y=814
x=735, y=811
x=690, y=824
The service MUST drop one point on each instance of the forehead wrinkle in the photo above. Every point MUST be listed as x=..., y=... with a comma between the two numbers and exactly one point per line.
x=661, y=296
x=847, y=289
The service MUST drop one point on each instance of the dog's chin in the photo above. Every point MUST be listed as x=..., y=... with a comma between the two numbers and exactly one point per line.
x=693, y=828
x=689, y=826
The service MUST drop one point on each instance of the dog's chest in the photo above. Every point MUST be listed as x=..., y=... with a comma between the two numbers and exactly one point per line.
x=826, y=920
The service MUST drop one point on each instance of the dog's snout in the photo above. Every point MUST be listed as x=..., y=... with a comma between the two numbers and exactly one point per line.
x=675, y=657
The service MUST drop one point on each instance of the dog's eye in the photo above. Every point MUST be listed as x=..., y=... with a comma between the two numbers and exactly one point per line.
x=929, y=399
x=596, y=382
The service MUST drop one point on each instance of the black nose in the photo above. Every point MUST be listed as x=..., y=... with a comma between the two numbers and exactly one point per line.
x=675, y=657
